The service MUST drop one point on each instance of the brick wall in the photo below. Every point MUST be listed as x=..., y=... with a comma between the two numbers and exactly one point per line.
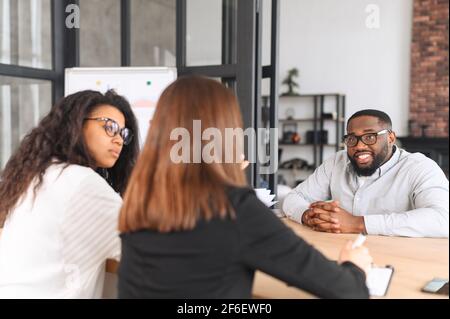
x=429, y=68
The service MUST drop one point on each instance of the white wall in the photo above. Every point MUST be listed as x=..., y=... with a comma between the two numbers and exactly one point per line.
x=335, y=51
x=328, y=41
x=333, y=48
x=330, y=44
x=203, y=32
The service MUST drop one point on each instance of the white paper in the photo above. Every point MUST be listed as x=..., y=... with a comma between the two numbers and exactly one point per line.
x=264, y=195
x=378, y=280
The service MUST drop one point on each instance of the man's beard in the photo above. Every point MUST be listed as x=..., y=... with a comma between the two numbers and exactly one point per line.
x=378, y=160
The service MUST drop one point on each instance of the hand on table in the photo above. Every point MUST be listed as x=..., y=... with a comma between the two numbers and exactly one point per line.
x=330, y=217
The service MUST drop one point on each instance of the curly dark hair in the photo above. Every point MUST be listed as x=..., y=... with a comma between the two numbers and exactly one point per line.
x=57, y=139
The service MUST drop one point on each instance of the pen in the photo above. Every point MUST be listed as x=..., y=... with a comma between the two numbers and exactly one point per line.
x=359, y=241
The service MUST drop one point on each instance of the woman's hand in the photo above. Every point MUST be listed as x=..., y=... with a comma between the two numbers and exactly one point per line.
x=359, y=256
x=244, y=162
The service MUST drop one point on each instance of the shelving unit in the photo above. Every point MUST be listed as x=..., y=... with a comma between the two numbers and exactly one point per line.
x=318, y=122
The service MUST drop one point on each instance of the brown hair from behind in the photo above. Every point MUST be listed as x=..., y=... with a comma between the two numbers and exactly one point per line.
x=167, y=196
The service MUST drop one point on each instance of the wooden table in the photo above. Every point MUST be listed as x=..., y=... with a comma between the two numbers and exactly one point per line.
x=416, y=261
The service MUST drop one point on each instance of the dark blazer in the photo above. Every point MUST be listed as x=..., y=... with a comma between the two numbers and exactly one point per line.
x=218, y=259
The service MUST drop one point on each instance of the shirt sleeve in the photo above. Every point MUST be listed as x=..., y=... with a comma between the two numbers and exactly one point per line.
x=90, y=227
x=315, y=188
x=270, y=246
x=430, y=216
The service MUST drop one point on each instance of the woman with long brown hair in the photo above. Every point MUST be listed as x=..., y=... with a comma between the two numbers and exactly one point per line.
x=191, y=228
x=60, y=198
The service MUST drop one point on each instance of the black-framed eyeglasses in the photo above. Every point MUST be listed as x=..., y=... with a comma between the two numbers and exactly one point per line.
x=369, y=139
x=112, y=128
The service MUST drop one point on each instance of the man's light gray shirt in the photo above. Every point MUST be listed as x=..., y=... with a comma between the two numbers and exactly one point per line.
x=406, y=196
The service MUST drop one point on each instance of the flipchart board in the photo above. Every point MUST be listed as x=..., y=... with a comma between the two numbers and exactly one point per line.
x=141, y=86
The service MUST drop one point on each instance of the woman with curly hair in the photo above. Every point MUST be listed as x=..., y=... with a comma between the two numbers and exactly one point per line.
x=60, y=196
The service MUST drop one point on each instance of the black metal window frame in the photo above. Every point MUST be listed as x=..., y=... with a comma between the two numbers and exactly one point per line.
x=271, y=72
x=246, y=72
x=66, y=48
x=59, y=35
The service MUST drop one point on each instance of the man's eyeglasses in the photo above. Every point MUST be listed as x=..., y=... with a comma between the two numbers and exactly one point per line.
x=369, y=139
x=112, y=128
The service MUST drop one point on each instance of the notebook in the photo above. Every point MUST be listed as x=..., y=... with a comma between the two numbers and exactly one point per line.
x=378, y=280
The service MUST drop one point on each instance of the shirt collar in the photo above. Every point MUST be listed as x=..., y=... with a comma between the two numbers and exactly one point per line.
x=391, y=162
